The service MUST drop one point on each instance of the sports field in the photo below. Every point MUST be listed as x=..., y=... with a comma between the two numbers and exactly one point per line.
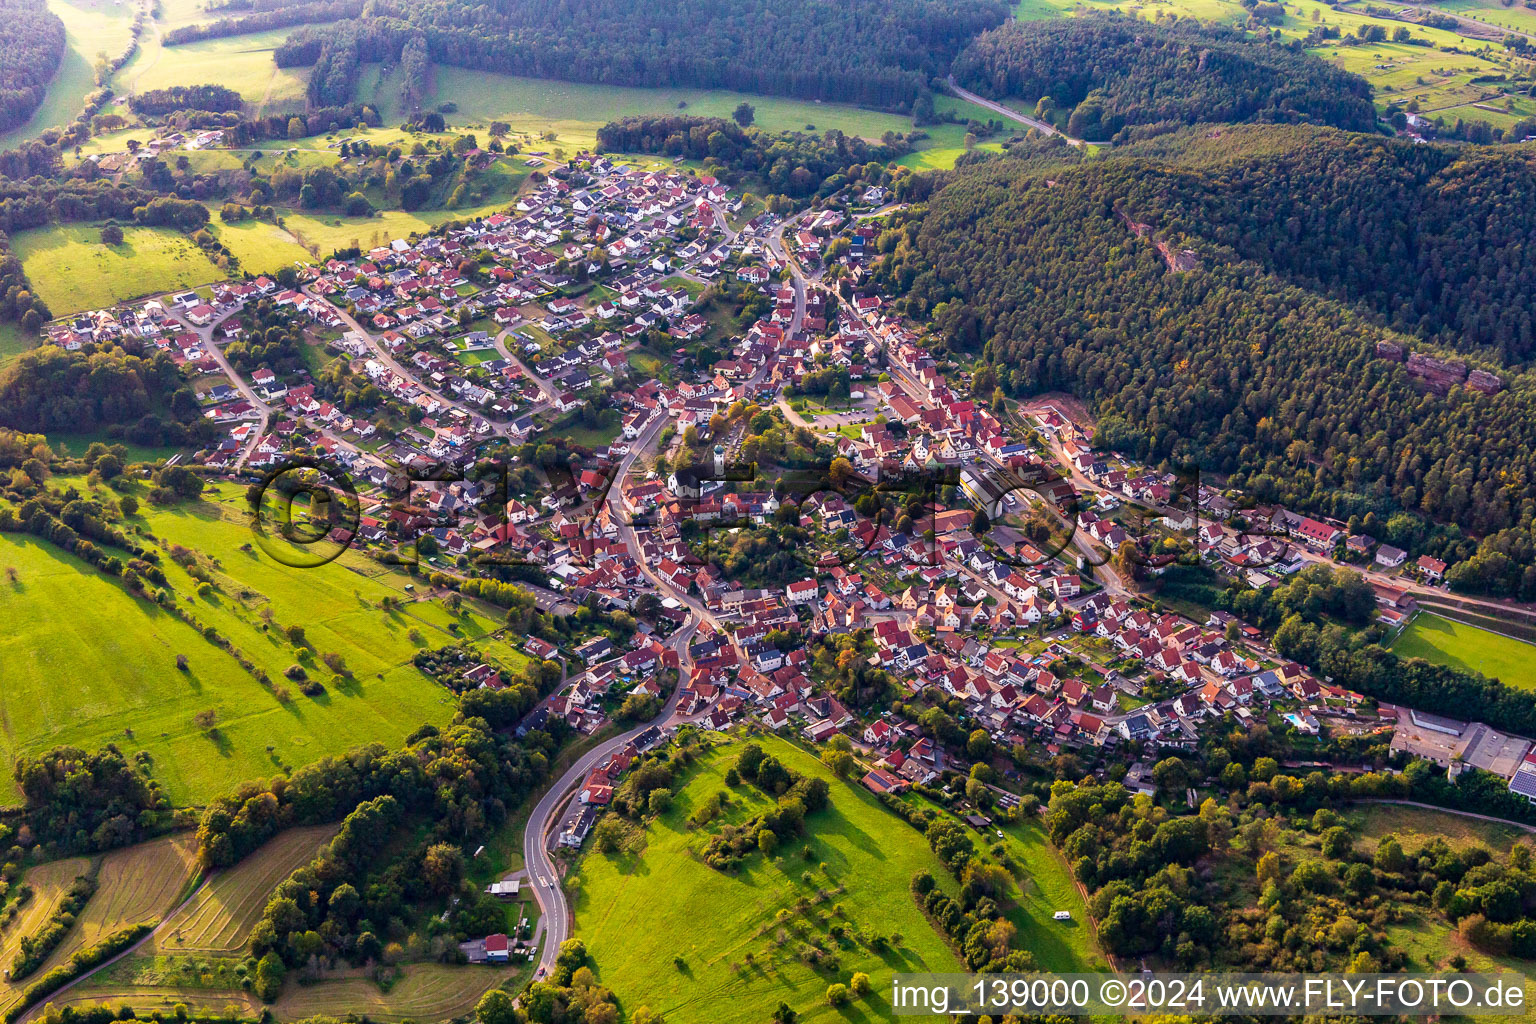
x=637, y=913
x=1448, y=642
x=72, y=270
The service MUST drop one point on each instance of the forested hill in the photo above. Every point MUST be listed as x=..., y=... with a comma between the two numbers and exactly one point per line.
x=1064, y=277
x=879, y=53
x=1109, y=72
x=1438, y=239
x=29, y=57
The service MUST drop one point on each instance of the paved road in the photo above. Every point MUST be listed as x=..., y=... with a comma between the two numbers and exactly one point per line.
x=1010, y=113
x=796, y=278
x=246, y=392
x=384, y=356
x=545, y=880
x=548, y=390
x=554, y=908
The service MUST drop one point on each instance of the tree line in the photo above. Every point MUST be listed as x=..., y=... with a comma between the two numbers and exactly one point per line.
x=29, y=58
x=49, y=389
x=1108, y=72
x=217, y=98
x=792, y=163
x=870, y=52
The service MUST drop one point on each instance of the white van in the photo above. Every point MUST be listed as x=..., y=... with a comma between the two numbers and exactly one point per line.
x=1063, y=915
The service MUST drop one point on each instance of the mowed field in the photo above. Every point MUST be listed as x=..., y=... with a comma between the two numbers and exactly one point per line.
x=137, y=885
x=637, y=913
x=72, y=270
x=220, y=917
x=14, y=341
x=1516, y=16
x=1459, y=645
x=214, y=926
x=91, y=27
x=118, y=652
x=49, y=883
x=540, y=104
x=424, y=992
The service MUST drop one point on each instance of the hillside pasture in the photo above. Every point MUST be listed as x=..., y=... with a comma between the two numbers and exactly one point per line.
x=423, y=992
x=636, y=913
x=242, y=63
x=147, y=999
x=535, y=104
x=1441, y=81
x=260, y=247
x=14, y=341
x=65, y=620
x=219, y=919
x=69, y=620
x=1048, y=886
x=72, y=270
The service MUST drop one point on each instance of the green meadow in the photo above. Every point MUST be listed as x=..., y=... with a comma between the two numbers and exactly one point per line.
x=1460, y=645
x=576, y=109
x=14, y=341
x=636, y=913
x=260, y=247
x=87, y=663
x=72, y=270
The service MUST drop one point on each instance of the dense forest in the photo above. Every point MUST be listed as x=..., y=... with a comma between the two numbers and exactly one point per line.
x=1434, y=238
x=1110, y=72
x=791, y=163
x=263, y=17
x=217, y=98
x=29, y=57
x=879, y=53
x=49, y=389
x=1064, y=280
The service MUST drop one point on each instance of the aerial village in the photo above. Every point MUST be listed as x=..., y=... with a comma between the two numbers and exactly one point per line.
x=590, y=339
